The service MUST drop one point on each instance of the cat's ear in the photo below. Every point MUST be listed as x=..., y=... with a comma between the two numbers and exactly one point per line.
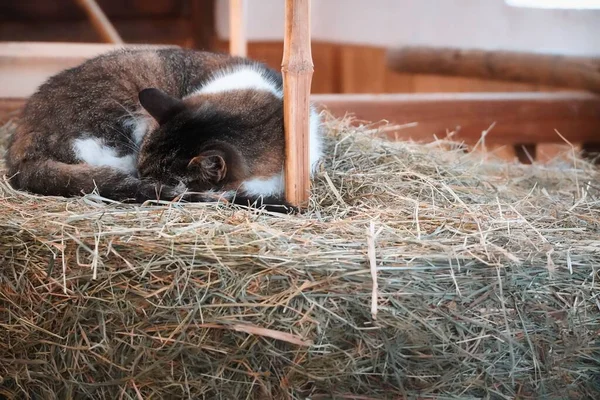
x=160, y=105
x=209, y=166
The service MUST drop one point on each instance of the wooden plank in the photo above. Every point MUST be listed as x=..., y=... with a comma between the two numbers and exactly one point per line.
x=25, y=66
x=155, y=30
x=67, y=10
x=50, y=50
x=365, y=62
x=516, y=117
x=297, y=69
x=456, y=84
x=339, y=68
x=520, y=117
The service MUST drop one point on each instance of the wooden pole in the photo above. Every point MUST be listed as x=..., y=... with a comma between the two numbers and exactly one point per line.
x=202, y=18
x=237, y=28
x=297, y=70
x=542, y=69
x=100, y=22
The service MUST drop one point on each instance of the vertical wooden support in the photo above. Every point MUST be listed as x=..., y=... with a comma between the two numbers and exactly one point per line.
x=100, y=22
x=238, y=44
x=297, y=70
x=202, y=16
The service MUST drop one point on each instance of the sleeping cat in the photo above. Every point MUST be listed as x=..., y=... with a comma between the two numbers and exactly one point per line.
x=157, y=124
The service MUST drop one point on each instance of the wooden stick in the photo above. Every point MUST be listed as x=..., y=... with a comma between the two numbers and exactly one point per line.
x=297, y=69
x=238, y=44
x=552, y=70
x=105, y=29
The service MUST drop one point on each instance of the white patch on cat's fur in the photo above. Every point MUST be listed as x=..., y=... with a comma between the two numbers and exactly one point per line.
x=92, y=151
x=139, y=127
x=264, y=186
x=240, y=77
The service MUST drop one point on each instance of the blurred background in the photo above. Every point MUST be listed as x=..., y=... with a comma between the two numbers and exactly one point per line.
x=350, y=37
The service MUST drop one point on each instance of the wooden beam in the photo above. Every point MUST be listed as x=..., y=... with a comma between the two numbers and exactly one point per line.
x=516, y=117
x=156, y=30
x=542, y=69
x=101, y=23
x=26, y=65
x=297, y=69
x=519, y=117
x=238, y=44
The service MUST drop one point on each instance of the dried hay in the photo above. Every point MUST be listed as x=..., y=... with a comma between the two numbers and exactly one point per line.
x=486, y=279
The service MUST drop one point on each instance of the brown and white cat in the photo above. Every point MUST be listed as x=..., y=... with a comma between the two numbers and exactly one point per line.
x=157, y=124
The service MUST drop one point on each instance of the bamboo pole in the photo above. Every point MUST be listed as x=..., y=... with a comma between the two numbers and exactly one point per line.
x=100, y=22
x=238, y=44
x=297, y=70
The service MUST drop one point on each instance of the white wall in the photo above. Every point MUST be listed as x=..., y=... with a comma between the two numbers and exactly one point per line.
x=483, y=24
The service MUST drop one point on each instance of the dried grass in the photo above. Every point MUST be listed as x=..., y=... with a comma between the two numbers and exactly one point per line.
x=487, y=286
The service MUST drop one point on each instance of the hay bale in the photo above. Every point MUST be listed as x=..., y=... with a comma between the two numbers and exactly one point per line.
x=487, y=286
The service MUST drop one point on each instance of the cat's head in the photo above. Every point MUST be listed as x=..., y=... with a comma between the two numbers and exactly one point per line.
x=203, y=141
